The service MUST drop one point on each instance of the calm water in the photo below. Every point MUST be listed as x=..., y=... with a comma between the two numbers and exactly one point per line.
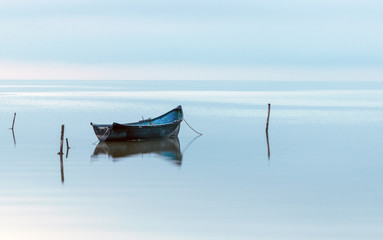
x=323, y=179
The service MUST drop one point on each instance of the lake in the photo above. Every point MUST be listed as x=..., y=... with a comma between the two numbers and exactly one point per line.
x=322, y=180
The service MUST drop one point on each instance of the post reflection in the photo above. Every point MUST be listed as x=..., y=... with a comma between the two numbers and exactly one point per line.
x=62, y=168
x=268, y=145
x=168, y=149
x=14, y=138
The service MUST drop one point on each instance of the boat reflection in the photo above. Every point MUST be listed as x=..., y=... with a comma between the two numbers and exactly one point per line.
x=166, y=148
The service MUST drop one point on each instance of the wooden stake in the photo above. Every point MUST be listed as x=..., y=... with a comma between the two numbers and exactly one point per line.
x=267, y=132
x=67, y=148
x=61, y=140
x=67, y=144
x=13, y=123
x=268, y=118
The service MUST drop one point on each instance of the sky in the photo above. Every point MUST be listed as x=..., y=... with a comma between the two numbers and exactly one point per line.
x=192, y=40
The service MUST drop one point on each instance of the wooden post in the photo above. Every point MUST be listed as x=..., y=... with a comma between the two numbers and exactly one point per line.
x=267, y=132
x=67, y=144
x=61, y=140
x=13, y=123
x=67, y=148
x=268, y=118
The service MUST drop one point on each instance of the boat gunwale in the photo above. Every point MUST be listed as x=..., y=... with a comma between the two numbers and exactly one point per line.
x=138, y=124
x=135, y=124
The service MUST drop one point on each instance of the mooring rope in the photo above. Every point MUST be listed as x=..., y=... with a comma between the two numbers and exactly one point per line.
x=187, y=146
x=103, y=135
x=192, y=128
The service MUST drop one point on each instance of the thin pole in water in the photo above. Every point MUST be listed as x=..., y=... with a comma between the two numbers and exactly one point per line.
x=267, y=131
x=61, y=140
x=268, y=118
x=67, y=144
x=61, y=153
x=67, y=148
x=13, y=123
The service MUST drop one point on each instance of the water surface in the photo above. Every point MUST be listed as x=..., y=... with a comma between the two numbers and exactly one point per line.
x=323, y=179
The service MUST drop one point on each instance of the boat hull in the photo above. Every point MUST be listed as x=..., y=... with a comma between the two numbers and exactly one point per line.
x=146, y=129
x=119, y=132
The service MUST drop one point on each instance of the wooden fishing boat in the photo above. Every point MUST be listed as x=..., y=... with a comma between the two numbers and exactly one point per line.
x=164, y=126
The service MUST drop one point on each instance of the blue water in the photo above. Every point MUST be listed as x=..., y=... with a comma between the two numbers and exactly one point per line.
x=323, y=179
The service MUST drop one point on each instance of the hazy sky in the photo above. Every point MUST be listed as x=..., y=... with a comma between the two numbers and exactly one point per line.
x=165, y=39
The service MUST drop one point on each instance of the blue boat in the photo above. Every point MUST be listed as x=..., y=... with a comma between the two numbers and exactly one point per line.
x=164, y=126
